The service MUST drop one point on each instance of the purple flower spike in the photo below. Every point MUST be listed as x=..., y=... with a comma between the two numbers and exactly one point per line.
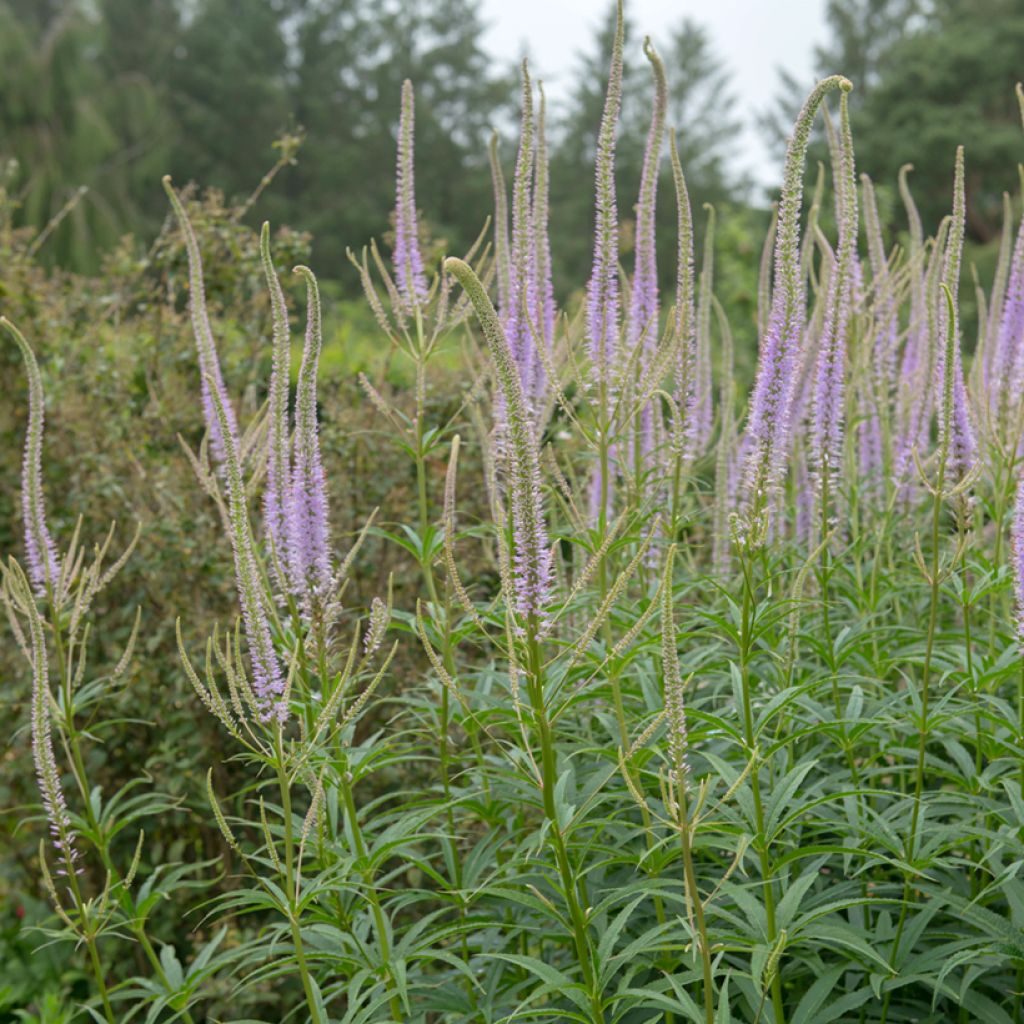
x=40, y=551
x=684, y=429
x=268, y=682
x=541, y=288
x=275, y=497
x=768, y=422
x=603, y=289
x=531, y=557
x=522, y=300
x=308, y=541
x=829, y=384
x=209, y=364
x=951, y=390
x=1008, y=358
x=642, y=322
x=412, y=282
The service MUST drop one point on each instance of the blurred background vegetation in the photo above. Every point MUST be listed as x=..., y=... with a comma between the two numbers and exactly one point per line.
x=99, y=98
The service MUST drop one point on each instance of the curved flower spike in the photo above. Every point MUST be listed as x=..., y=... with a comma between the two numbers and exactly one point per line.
x=209, y=364
x=531, y=558
x=767, y=439
x=268, y=681
x=829, y=384
x=40, y=551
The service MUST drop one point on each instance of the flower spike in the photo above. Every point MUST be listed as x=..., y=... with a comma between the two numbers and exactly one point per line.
x=308, y=541
x=209, y=364
x=767, y=440
x=412, y=282
x=40, y=550
x=531, y=558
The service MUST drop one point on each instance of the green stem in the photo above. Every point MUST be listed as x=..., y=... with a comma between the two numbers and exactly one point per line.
x=291, y=882
x=761, y=841
x=697, y=904
x=549, y=779
x=922, y=739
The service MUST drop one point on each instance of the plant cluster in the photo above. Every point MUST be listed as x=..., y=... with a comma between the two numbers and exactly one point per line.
x=717, y=717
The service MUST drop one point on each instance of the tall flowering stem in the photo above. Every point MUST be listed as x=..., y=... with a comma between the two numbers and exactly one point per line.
x=522, y=283
x=603, y=300
x=704, y=411
x=268, y=682
x=679, y=776
x=218, y=428
x=309, y=558
x=501, y=247
x=642, y=321
x=603, y=289
x=875, y=431
x=276, y=494
x=962, y=449
x=543, y=287
x=914, y=396
x=684, y=337
x=829, y=392
x=767, y=438
x=40, y=550
x=412, y=282
x=531, y=557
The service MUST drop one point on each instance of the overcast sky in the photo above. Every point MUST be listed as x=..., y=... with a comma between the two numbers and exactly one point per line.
x=753, y=37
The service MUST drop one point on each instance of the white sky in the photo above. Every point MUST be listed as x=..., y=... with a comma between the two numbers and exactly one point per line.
x=752, y=37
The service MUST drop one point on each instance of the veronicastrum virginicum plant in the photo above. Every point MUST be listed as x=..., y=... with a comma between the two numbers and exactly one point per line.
x=693, y=713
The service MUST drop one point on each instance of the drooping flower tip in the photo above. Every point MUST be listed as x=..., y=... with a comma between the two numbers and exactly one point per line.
x=211, y=378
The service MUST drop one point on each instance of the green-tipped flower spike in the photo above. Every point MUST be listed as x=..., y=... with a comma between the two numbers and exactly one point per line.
x=209, y=364
x=950, y=375
x=531, y=558
x=268, y=682
x=675, y=702
x=830, y=374
x=543, y=289
x=516, y=315
x=40, y=551
x=684, y=429
x=309, y=556
x=704, y=411
x=876, y=397
x=501, y=250
x=914, y=396
x=603, y=290
x=642, y=324
x=275, y=496
x=767, y=439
